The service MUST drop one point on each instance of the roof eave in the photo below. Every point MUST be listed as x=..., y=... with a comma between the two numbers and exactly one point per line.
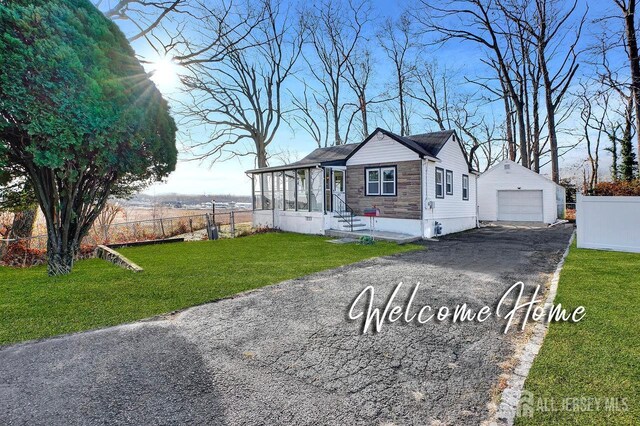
x=285, y=167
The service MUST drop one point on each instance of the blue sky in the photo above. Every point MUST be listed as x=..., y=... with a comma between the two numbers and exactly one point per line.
x=228, y=177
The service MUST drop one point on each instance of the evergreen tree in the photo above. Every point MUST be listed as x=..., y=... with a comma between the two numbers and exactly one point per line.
x=79, y=117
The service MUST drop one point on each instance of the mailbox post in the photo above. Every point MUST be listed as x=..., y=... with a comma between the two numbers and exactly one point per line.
x=372, y=213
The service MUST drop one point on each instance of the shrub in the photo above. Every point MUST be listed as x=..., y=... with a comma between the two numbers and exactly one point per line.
x=19, y=255
x=625, y=188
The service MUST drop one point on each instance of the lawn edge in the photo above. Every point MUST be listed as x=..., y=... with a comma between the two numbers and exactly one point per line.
x=172, y=315
x=510, y=396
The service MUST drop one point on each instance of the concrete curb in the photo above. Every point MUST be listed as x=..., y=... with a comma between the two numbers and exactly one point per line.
x=110, y=255
x=510, y=397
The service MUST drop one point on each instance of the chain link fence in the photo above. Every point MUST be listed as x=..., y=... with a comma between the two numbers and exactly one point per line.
x=229, y=224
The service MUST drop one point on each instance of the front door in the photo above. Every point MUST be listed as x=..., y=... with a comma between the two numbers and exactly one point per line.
x=338, y=190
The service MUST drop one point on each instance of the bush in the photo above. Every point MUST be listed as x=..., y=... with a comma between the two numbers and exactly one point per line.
x=624, y=188
x=19, y=255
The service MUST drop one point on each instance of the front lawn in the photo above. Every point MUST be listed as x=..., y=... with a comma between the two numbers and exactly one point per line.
x=588, y=373
x=176, y=276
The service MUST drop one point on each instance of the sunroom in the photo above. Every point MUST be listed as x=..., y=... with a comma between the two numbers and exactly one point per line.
x=297, y=196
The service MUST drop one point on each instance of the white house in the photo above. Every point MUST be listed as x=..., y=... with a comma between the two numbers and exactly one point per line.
x=511, y=192
x=422, y=186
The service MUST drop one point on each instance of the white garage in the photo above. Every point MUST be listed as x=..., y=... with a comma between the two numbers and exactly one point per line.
x=513, y=193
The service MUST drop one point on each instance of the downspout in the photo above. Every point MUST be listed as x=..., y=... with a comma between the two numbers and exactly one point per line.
x=423, y=194
x=477, y=207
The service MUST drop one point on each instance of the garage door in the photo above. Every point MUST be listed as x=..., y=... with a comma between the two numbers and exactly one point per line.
x=521, y=206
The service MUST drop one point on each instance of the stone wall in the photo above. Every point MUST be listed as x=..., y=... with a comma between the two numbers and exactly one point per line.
x=406, y=204
x=110, y=255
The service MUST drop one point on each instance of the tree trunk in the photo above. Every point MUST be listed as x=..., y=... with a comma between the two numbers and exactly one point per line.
x=511, y=145
x=551, y=113
x=522, y=135
x=60, y=256
x=634, y=61
x=365, y=119
x=403, y=131
x=262, y=154
x=23, y=222
x=536, y=132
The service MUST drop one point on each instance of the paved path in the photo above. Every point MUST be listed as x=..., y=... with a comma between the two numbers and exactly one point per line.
x=287, y=354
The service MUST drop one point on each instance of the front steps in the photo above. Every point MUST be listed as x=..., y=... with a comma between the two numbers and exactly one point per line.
x=349, y=222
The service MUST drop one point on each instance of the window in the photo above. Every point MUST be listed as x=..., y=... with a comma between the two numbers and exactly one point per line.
x=278, y=191
x=381, y=181
x=465, y=187
x=449, y=182
x=302, y=189
x=373, y=181
x=267, y=191
x=338, y=181
x=388, y=180
x=316, y=190
x=327, y=189
x=439, y=182
x=290, y=190
x=257, y=191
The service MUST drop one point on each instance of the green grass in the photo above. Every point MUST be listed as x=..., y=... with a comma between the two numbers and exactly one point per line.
x=176, y=276
x=599, y=357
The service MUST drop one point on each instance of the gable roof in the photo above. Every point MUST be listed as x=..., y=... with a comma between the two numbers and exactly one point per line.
x=425, y=145
x=499, y=166
x=434, y=141
x=329, y=156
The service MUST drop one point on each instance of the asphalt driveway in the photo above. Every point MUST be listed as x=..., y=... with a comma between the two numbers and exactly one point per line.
x=288, y=354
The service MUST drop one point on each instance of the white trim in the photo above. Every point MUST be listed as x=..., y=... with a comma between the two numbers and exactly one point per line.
x=367, y=170
x=448, y=173
x=441, y=184
x=394, y=181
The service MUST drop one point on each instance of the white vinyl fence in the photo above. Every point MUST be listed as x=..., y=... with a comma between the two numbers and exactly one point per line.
x=608, y=223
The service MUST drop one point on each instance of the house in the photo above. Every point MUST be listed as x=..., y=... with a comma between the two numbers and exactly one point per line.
x=511, y=192
x=422, y=186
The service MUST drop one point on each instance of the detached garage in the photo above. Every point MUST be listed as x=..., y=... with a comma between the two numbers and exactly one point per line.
x=510, y=192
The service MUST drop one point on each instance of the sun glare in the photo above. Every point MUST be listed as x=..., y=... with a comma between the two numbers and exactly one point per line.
x=164, y=73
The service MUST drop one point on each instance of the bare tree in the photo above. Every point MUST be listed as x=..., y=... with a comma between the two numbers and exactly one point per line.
x=145, y=15
x=548, y=27
x=431, y=87
x=235, y=80
x=628, y=10
x=482, y=23
x=447, y=105
x=595, y=106
x=311, y=115
x=399, y=42
x=359, y=75
x=335, y=30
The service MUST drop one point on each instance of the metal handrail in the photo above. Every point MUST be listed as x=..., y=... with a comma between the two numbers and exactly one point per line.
x=342, y=213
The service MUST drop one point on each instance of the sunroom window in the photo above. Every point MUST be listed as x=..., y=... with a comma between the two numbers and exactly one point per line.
x=278, y=190
x=267, y=191
x=290, y=190
x=317, y=189
x=257, y=191
x=302, y=185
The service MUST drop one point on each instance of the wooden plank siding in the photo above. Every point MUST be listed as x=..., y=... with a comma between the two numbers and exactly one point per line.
x=406, y=204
